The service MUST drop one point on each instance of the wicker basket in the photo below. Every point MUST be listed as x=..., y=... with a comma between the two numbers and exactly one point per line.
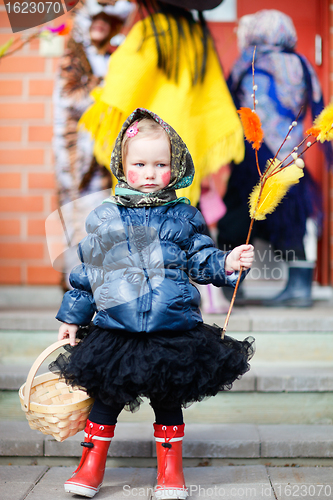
x=51, y=406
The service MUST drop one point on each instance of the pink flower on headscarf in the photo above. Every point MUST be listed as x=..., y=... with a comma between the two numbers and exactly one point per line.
x=132, y=130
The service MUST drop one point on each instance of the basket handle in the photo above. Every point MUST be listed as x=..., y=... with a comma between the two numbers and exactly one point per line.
x=33, y=370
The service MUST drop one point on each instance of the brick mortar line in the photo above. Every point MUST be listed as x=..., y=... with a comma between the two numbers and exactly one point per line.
x=24, y=272
x=24, y=183
x=24, y=228
x=31, y=216
x=17, y=238
x=27, y=123
x=49, y=159
x=38, y=75
x=23, y=145
x=37, y=239
x=20, y=168
x=26, y=99
x=25, y=133
x=22, y=189
x=11, y=144
x=24, y=166
x=25, y=265
x=42, y=76
x=48, y=112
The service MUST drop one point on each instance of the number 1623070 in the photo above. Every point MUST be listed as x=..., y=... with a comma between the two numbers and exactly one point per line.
x=303, y=490
x=33, y=7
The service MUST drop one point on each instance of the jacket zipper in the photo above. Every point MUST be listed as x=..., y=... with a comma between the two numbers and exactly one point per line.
x=144, y=314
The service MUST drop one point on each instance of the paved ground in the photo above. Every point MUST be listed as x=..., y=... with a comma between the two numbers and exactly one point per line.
x=226, y=483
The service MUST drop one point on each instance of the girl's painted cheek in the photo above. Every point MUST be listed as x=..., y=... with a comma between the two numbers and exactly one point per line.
x=132, y=176
x=166, y=178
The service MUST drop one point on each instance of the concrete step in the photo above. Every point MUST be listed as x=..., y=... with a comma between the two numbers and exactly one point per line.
x=250, y=319
x=30, y=296
x=202, y=442
x=239, y=482
x=29, y=319
x=230, y=407
x=306, y=347
x=33, y=308
x=283, y=362
x=271, y=377
x=51, y=296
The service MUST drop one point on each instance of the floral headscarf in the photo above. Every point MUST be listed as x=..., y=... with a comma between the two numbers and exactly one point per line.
x=266, y=27
x=286, y=81
x=182, y=168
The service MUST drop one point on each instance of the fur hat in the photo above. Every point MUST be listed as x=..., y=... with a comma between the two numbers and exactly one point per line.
x=121, y=9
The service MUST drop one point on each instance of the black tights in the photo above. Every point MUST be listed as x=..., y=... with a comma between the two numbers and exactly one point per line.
x=107, y=415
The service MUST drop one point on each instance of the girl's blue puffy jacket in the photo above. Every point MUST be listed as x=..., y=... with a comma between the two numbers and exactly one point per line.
x=136, y=269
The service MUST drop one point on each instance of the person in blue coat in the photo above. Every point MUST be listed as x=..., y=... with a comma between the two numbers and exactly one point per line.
x=143, y=252
x=287, y=86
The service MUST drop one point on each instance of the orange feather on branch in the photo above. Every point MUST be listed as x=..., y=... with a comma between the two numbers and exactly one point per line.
x=252, y=127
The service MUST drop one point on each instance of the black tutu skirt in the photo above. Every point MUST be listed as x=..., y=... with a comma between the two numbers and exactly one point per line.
x=170, y=369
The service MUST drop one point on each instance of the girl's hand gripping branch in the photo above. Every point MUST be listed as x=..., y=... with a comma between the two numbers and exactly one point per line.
x=67, y=331
x=241, y=256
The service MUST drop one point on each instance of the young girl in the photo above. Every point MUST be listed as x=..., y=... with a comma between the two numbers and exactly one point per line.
x=148, y=338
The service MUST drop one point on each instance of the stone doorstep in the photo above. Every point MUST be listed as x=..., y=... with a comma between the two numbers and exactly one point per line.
x=261, y=378
x=243, y=319
x=241, y=482
x=30, y=296
x=256, y=319
x=201, y=441
x=48, y=295
x=29, y=320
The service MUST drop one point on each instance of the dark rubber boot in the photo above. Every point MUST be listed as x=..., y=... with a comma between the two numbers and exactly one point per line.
x=298, y=290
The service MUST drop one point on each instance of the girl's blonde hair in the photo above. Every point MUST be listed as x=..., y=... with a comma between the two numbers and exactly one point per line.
x=146, y=127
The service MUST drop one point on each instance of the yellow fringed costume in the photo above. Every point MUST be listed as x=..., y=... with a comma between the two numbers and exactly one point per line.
x=203, y=113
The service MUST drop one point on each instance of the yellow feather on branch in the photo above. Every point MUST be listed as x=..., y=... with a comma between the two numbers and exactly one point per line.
x=324, y=123
x=4, y=48
x=272, y=188
x=277, y=179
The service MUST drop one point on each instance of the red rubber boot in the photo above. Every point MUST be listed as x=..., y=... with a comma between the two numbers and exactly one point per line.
x=170, y=475
x=88, y=477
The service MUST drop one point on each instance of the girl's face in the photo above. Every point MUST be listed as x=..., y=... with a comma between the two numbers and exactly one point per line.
x=147, y=163
x=100, y=30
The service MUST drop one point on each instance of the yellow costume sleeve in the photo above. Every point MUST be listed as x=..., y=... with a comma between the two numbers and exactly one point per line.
x=203, y=114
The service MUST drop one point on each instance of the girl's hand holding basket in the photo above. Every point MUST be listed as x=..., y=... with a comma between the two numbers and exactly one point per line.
x=68, y=331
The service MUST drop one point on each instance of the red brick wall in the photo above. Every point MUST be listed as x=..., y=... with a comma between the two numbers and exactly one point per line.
x=27, y=185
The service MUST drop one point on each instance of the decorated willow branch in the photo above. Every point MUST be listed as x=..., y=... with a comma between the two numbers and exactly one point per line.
x=278, y=176
x=14, y=44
